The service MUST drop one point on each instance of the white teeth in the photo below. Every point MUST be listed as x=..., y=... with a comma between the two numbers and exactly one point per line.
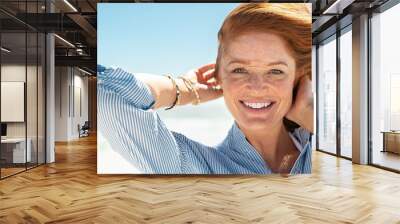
x=257, y=105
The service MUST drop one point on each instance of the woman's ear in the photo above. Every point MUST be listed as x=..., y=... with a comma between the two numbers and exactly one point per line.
x=299, y=74
x=295, y=88
x=217, y=73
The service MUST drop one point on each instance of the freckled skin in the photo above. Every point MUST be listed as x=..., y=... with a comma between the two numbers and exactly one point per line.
x=256, y=53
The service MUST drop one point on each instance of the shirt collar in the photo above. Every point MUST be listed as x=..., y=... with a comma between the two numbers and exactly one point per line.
x=236, y=140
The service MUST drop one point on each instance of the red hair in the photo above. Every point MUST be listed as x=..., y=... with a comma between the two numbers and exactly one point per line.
x=290, y=21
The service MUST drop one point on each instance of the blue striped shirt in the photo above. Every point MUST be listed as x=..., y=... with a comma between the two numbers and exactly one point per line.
x=137, y=133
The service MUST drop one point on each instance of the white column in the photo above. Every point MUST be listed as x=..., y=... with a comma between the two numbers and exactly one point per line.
x=50, y=109
x=50, y=93
x=360, y=90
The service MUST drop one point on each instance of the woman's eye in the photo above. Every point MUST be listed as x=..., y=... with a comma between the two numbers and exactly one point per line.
x=276, y=72
x=239, y=70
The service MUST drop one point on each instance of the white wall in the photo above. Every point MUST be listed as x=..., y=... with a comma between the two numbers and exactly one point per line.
x=33, y=127
x=81, y=84
x=12, y=101
x=16, y=72
x=61, y=103
x=70, y=83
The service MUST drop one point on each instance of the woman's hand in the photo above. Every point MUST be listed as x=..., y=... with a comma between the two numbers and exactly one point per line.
x=205, y=82
x=302, y=110
x=164, y=92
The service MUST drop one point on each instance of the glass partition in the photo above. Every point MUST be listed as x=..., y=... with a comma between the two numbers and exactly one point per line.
x=14, y=154
x=31, y=100
x=33, y=64
x=22, y=78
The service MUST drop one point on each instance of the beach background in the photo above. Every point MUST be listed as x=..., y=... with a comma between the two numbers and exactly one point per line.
x=163, y=39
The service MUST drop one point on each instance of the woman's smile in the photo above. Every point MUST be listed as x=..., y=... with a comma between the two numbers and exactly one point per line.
x=257, y=107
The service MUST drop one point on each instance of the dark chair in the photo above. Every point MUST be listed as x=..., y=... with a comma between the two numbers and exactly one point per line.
x=84, y=130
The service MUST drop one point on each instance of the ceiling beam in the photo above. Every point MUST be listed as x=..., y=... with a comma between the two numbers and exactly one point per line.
x=86, y=26
x=78, y=61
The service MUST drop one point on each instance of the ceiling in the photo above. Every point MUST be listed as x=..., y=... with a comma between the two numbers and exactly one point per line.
x=76, y=22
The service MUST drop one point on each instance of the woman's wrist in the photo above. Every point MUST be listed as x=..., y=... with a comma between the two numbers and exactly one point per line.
x=177, y=93
x=192, y=88
x=189, y=93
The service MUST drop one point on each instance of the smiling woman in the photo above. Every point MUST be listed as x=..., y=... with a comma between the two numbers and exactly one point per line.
x=262, y=71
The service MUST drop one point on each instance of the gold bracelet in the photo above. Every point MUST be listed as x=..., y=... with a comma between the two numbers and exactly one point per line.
x=178, y=93
x=191, y=88
x=185, y=81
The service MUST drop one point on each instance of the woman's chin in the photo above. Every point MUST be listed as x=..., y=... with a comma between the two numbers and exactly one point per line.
x=256, y=123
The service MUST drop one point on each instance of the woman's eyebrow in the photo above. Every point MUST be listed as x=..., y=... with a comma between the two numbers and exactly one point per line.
x=238, y=61
x=278, y=63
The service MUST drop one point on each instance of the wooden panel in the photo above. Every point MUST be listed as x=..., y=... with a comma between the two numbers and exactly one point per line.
x=392, y=142
x=92, y=100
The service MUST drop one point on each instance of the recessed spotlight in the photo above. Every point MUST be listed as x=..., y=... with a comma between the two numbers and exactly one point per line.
x=86, y=72
x=64, y=40
x=5, y=50
x=70, y=5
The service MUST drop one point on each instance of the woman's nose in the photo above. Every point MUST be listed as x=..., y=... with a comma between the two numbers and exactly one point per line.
x=255, y=82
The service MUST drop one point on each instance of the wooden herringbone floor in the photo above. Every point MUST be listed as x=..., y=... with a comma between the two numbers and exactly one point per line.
x=70, y=191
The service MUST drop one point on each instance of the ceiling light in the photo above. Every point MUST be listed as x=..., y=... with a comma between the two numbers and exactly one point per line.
x=65, y=41
x=86, y=72
x=337, y=7
x=70, y=5
x=79, y=51
x=5, y=50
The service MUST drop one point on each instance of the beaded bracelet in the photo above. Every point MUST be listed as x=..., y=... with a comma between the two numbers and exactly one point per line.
x=178, y=92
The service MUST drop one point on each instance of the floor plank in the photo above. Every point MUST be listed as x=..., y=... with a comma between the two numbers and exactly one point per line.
x=70, y=191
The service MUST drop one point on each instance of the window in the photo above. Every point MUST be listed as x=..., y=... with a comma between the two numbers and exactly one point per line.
x=327, y=96
x=385, y=89
x=346, y=93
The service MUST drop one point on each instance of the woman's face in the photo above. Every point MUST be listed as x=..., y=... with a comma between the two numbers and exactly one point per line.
x=257, y=73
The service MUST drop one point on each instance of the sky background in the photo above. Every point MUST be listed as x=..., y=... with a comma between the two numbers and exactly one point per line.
x=163, y=39
x=159, y=38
